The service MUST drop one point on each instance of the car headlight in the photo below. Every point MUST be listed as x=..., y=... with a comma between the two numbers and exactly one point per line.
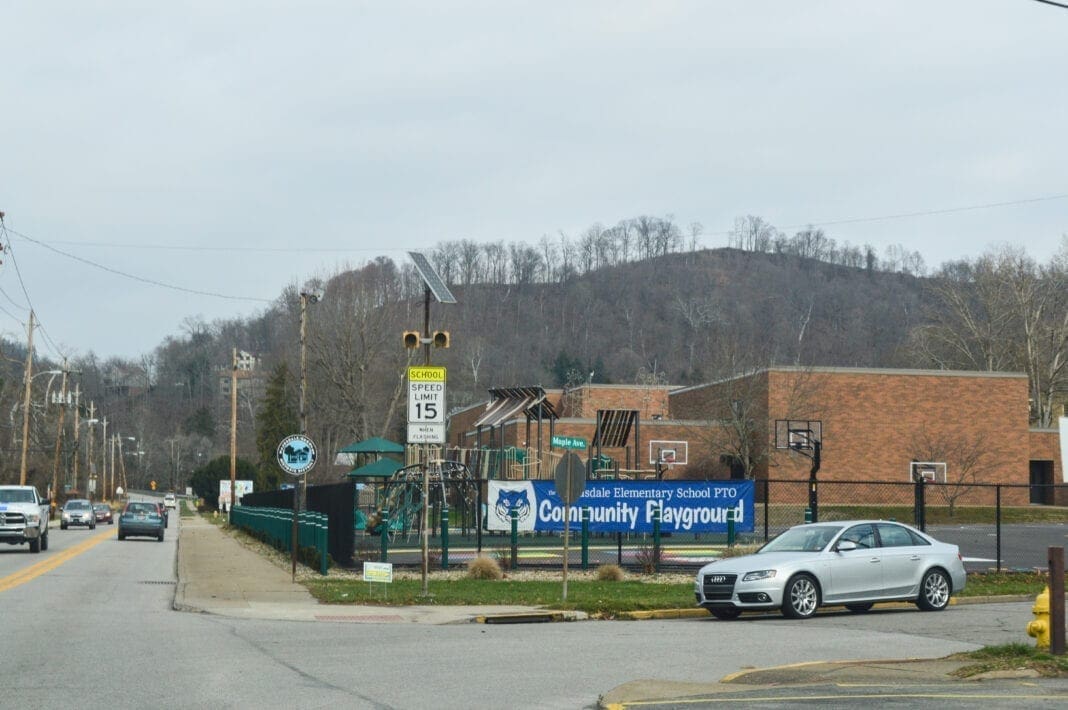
x=33, y=519
x=758, y=575
x=66, y=515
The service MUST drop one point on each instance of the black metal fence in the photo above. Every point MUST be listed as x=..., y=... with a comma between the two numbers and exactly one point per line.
x=336, y=501
x=995, y=525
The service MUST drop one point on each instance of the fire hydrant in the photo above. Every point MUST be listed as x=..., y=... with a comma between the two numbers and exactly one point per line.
x=1039, y=628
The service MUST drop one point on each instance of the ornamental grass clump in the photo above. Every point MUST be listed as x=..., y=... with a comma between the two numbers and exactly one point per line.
x=483, y=567
x=610, y=573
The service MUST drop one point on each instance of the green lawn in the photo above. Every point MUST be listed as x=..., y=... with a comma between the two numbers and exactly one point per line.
x=594, y=597
x=1013, y=656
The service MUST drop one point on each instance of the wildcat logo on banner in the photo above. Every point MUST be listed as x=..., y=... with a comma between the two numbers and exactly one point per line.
x=685, y=506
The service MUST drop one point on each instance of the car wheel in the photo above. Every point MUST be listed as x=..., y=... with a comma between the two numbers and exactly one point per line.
x=859, y=608
x=62, y=526
x=801, y=597
x=35, y=545
x=92, y=526
x=934, y=591
x=161, y=537
x=121, y=536
x=725, y=614
x=44, y=541
x=111, y=522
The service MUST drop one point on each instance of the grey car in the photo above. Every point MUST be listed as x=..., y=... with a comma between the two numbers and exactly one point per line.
x=77, y=511
x=853, y=563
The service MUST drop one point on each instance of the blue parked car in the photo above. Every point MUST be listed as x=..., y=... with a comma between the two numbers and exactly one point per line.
x=141, y=520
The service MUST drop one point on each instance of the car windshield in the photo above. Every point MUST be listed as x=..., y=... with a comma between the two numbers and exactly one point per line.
x=100, y=506
x=142, y=508
x=77, y=505
x=806, y=538
x=16, y=495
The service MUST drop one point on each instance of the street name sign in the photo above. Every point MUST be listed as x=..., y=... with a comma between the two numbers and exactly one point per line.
x=567, y=442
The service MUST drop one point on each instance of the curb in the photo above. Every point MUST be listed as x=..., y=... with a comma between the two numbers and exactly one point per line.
x=531, y=617
x=663, y=614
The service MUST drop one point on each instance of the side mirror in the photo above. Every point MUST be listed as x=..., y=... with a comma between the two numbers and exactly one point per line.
x=845, y=546
x=46, y=501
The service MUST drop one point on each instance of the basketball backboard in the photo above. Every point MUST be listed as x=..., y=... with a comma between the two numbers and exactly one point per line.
x=669, y=452
x=798, y=434
x=929, y=471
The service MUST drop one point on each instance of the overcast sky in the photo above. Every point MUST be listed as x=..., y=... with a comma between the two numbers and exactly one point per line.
x=236, y=148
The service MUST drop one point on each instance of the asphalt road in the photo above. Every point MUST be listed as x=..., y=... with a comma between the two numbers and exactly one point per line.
x=89, y=623
x=1022, y=546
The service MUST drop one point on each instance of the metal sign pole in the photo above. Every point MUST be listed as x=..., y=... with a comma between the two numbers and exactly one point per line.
x=567, y=524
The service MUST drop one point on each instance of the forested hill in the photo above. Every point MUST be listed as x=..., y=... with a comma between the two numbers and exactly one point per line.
x=674, y=317
x=681, y=318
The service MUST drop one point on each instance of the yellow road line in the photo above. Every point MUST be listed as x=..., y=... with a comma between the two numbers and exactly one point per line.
x=52, y=561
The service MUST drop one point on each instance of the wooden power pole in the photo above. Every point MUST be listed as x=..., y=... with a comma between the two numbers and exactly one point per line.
x=26, y=404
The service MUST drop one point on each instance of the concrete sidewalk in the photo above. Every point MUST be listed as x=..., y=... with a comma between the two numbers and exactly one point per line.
x=217, y=574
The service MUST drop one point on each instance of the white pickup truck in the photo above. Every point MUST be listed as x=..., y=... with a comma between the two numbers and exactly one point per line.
x=23, y=517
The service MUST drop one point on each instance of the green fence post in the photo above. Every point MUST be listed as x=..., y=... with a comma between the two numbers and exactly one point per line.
x=730, y=528
x=384, y=557
x=656, y=539
x=585, y=537
x=514, y=515
x=324, y=554
x=444, y=537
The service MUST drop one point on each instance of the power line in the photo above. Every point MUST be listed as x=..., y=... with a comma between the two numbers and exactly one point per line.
x=906, y=215
x=135, y=277
x=1054, y=4
x=56, y=350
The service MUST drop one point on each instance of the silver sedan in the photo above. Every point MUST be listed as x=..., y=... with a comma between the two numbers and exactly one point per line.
x=853, y=563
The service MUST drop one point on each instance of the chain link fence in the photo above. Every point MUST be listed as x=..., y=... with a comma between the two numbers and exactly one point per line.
x=995, y=525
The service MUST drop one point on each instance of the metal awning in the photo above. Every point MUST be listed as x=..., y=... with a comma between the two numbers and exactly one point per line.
x=508, y=402
x=613, y=427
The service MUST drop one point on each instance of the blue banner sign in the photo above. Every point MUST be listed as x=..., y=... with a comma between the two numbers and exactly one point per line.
x=624, y=506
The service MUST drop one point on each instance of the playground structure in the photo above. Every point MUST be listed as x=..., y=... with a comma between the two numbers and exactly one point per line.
x=450, y=485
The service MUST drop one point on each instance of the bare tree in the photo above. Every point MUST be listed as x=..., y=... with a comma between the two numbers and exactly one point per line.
x=969, y=458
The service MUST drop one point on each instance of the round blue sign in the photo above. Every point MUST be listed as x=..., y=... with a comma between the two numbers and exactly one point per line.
x=296, y=455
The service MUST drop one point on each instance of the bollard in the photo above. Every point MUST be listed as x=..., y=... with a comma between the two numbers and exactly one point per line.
x=444, y=537
x=586, y=538
x=384, y=557
x=514, y=515
x=730, y=528
x=656, y=539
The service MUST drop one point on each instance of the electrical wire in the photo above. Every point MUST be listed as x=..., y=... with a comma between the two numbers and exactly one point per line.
x=1054, y=4
x=906, y=215
x=141, y=279
x=56, y=350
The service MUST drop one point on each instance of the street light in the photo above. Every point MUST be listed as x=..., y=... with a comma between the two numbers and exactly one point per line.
x=26, y=419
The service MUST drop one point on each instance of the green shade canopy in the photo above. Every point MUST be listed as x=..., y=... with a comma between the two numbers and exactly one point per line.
x=377, y=445
x=382, y=468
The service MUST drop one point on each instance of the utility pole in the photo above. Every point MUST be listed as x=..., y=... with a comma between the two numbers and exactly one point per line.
x=59, y=431
x=91, y=473
x=305, y=297
x=104, y=455
x=233, y=432
x=26, y=403
x=77, y=432
x=109, y=490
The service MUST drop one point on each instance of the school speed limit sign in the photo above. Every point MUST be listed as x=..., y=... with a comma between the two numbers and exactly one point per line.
x=426, y=405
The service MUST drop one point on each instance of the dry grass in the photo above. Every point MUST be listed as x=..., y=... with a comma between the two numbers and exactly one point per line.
x=610, y=573
x=483, y=567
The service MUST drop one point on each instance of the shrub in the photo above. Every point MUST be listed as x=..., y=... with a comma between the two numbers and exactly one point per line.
x=610, y=573
x=483, y=567
x=645, y=558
